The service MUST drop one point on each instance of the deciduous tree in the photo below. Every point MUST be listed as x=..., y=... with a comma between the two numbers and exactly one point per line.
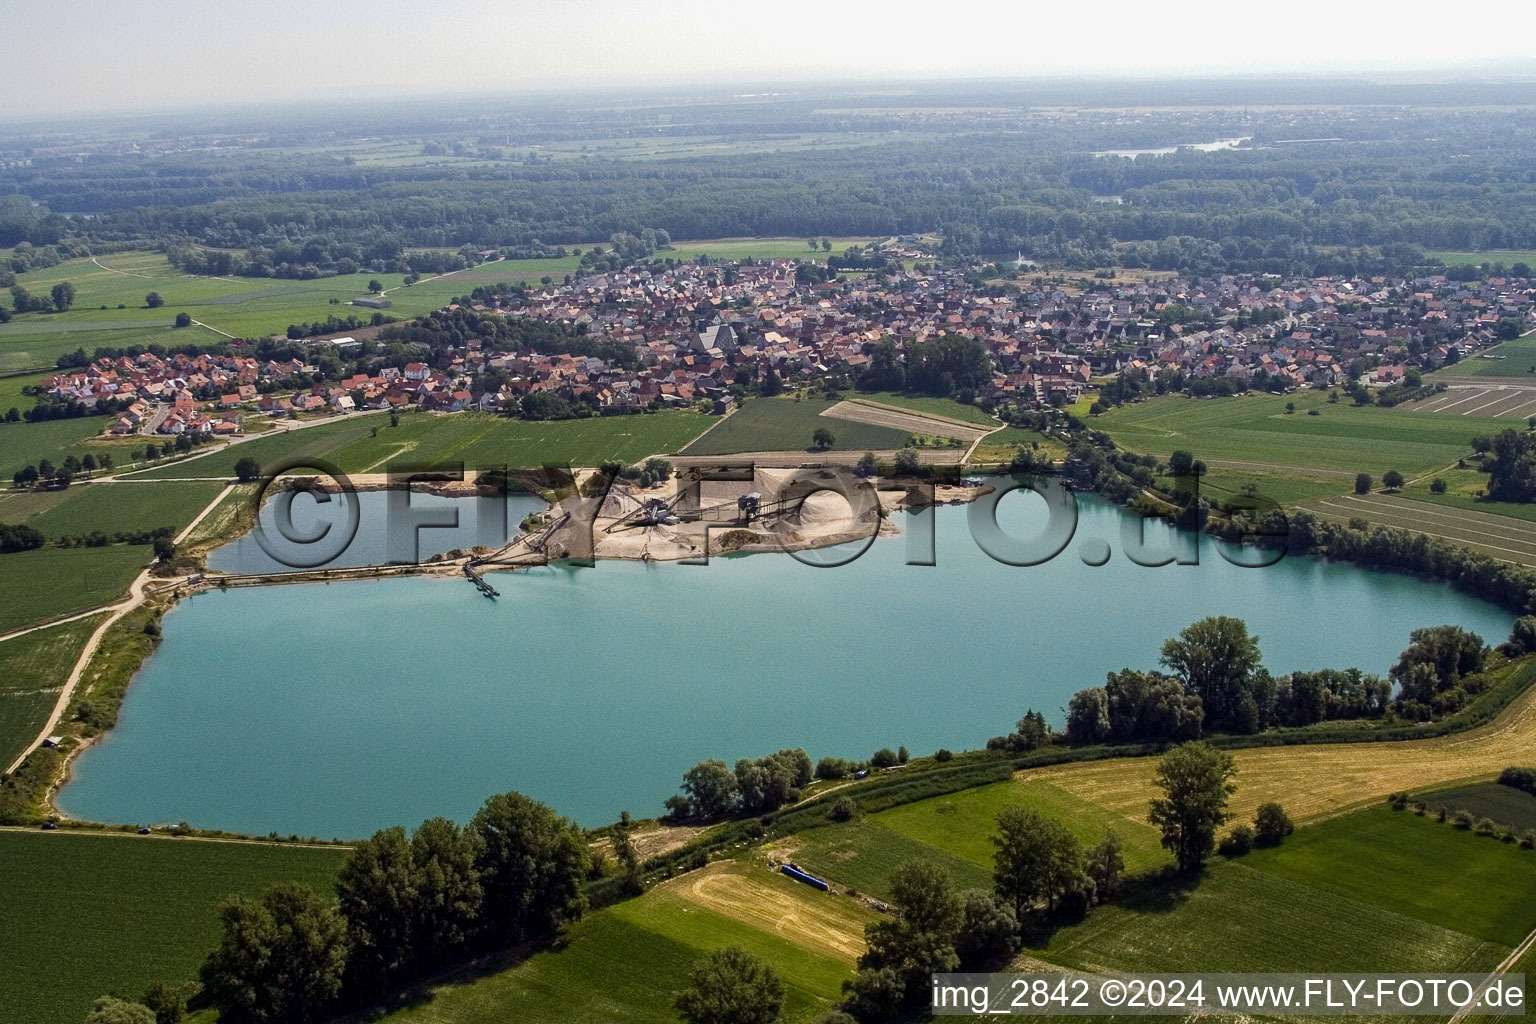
x=1196, y=781
x=731, y=986
x=532, y=863
x=280, y=960
x=1035, y=858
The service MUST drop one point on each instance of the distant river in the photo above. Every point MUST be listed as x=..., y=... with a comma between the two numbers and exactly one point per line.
x=1199, y=147
x=338, y=709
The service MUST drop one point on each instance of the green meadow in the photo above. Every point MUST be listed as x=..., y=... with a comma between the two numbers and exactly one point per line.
x=963, y=823
x=785, y=424
x=862, y=854
x=86, y=914
x=761, y=248
x=955, y=830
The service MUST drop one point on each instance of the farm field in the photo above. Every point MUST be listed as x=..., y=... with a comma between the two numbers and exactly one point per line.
x=783, y=424
x=1505, y=805
x=86, y=914
x=1513, y=358
x=1481, y=395
x=627, y=963
x=1223, y=483
x=1255, y=433
x=477, y=440
x=928, y=405
x=1242, y=919
x=1462, y=490
x=1316, y=780
x=54, y=581
x=110, y=507
x=1398, y=861
x=868, y=413
x=32, y=669
x=1506, y=538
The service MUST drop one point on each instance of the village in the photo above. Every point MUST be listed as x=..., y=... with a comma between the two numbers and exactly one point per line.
x=705, y=334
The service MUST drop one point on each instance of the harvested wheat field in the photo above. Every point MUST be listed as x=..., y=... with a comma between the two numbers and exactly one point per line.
x=755, y=895
x=1323, y=779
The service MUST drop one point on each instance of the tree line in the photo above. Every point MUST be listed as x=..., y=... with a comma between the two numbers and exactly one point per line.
x=1216, y=683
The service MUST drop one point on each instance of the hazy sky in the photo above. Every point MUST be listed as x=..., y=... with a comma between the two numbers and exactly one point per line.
x=92, y=54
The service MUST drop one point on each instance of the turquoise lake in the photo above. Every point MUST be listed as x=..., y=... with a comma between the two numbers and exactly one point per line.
x=335, y=710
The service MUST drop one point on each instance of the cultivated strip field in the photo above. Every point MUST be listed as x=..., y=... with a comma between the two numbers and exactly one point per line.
x=860, y=411
x=1502, y=537
x=1483, y=396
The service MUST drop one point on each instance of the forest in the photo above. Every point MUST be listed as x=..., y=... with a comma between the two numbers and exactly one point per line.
x=1320, y=190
